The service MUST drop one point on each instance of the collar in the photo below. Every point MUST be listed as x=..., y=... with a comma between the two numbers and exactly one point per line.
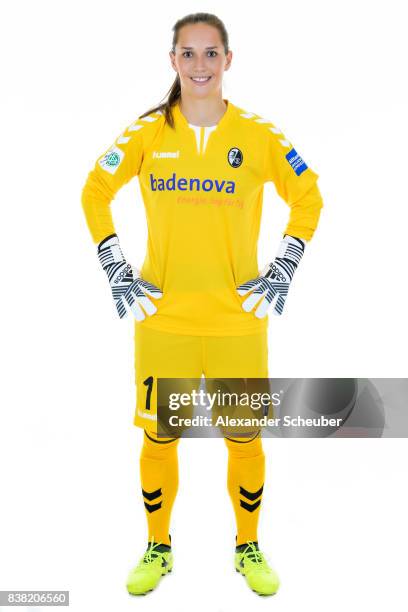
x=181, y=121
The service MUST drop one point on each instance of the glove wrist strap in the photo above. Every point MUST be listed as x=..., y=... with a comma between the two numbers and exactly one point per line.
x=109, y=251
x=291, y=248
x=289, y=254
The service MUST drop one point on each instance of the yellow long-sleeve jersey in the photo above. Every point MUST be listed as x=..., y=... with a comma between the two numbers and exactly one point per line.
x=202, y=189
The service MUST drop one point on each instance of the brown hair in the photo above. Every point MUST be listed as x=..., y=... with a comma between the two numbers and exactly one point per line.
x=174, y=92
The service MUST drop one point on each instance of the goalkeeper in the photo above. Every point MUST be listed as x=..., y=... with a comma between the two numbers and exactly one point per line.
x=199, y=301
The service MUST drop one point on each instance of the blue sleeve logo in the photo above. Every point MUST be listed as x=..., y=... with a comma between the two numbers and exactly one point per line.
x=296, y=162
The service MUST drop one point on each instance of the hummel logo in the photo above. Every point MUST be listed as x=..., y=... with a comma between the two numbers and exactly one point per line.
x=160, y=154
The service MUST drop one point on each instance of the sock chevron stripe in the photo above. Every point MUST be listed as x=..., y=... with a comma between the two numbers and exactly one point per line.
x=152, y=507
x=249, y=507
x=252, y=496
x=151, y=495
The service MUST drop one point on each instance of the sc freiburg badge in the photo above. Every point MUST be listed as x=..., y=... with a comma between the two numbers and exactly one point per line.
x=235, y=157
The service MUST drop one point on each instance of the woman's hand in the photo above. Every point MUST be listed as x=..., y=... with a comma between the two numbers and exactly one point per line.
x=272, y=285
x=128, y=288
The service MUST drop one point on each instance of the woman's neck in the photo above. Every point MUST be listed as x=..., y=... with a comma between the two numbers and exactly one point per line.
x=203, y=112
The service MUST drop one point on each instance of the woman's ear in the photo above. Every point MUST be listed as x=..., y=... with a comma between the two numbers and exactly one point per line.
x=172, y=56
x=228, y=60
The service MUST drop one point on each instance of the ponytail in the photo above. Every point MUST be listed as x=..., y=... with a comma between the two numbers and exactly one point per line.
x=173, y=96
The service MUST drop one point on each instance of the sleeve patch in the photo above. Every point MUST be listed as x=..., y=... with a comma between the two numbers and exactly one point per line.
x=112, y=159
x=296, y=162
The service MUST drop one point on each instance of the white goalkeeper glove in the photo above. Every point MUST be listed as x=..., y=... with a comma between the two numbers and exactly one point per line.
x=272, y=284
x=125, y=281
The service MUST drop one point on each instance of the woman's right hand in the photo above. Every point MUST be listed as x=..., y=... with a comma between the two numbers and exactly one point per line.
x=127, y=286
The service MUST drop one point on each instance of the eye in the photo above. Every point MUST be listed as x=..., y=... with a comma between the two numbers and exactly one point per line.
x=214, y=53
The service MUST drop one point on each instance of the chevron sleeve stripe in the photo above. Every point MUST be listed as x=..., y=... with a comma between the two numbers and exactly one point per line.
x=113, y=169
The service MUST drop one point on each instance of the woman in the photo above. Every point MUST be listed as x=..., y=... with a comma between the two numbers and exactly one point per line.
x=199, y=301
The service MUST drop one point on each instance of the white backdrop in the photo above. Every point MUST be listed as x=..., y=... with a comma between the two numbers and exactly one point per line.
x=332, y=75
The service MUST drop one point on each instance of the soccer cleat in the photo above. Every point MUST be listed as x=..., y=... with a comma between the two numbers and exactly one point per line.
x=251, y=563
x=155, y=563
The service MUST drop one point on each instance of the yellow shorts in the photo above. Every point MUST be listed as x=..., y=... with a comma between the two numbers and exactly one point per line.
x=161, y=354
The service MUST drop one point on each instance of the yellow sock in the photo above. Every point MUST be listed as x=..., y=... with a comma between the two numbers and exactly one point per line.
x=246, y=474
x=159, y=479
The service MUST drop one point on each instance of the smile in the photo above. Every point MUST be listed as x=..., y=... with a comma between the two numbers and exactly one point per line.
x=200, y=79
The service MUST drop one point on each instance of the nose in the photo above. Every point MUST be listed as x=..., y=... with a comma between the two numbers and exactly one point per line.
x=200, y=65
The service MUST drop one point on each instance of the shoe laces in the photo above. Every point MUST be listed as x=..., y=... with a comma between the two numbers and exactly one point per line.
x=252, y=553
x=151, y=553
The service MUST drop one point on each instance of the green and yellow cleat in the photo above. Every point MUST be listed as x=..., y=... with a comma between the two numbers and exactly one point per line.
x=251, y=563
x=155, y=563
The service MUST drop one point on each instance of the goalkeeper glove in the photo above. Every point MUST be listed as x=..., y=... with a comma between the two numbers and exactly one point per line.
x=125, y=281
x=273, y=282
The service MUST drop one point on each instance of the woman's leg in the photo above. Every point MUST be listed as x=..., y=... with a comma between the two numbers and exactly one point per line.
x=246, y=473
x=246, y=357
x=159, y=480
x=245, y=481
x=159, y=355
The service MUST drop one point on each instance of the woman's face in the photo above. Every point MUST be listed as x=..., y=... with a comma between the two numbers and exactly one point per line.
x=200, y=53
